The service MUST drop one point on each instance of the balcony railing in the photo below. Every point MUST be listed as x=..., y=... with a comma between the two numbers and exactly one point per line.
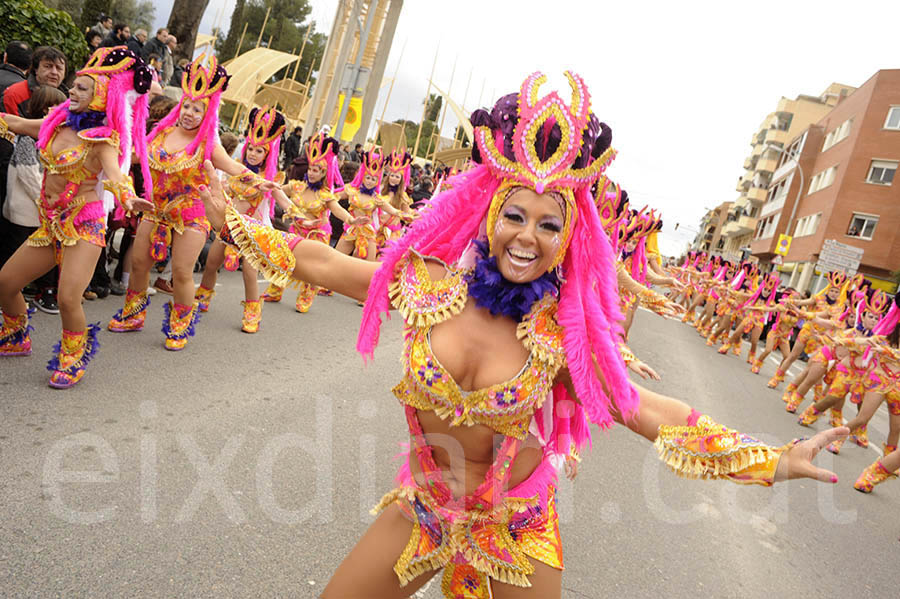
x=757, y=194
x=766, y=165
x=776, y=136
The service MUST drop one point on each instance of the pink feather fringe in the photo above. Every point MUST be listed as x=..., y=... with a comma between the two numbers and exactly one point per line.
x=208, y=132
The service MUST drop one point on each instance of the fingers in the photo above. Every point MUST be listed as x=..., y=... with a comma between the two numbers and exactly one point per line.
x=822, y=475
x=215, y=184
x=829, y=436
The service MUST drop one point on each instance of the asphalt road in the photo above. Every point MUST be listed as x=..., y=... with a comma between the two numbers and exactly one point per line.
x=245, y=465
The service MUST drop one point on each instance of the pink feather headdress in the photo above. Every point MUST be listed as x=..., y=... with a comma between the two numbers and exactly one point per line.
x=121, y=82
x=205, y=85
x=371, y=163
x=511, y=149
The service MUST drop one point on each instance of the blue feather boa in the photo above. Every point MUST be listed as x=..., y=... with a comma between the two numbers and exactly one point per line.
x=79, y=121
x=501, y=297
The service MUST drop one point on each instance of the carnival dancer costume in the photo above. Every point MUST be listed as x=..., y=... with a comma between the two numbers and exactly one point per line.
x=566, y=319
x=309, y=213
x=829, y=302
x=399, y=163
x=116, y=115
x=177, y=176
x=366, y=203
x=266, y=128
x=854, y=372
x=755, y=319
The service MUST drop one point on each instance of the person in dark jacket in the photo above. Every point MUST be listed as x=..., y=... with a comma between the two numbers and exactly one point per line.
x=120, y=35
x=292, y=146
x=136, y=42
x=157, y=45
x=16, y=60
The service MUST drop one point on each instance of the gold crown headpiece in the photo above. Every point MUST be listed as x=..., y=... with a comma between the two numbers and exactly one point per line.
x=201, y=83
x=266, y=126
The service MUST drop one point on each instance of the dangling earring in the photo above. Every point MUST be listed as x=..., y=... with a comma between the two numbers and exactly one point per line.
x=559, y=274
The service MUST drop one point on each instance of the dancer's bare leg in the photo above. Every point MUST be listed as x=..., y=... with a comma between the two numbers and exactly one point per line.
x=367, y=571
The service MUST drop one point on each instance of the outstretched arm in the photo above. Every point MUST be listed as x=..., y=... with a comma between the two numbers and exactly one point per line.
x=270, y=251
x=10, y=123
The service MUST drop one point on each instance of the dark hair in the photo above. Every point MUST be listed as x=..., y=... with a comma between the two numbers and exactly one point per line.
x=18, y=54
x=298, y=129
x=153, y=56
x=229, y=141
x=91, y=34
x=43, y=53
x=160, y=106
x=42, y=99
x=105, y=18
x=357, y=146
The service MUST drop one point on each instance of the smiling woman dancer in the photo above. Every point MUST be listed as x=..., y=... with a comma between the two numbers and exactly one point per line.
x=507, y=287
x=177, y=146
x=82, y=141
x=260, y=153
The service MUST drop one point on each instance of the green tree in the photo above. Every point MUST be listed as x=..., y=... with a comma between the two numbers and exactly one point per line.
x=91, y=11
x=433, y=110
x=72, y=7
x=285, y=28
x=139, y=14
x=31, y=21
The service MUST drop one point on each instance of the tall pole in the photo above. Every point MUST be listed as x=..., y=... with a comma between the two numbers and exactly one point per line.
x=391, y=88
x=465, y=98
x=265, y=21
x=351, y=88
x=241, y=41
x=425, y=107
x=446, y=105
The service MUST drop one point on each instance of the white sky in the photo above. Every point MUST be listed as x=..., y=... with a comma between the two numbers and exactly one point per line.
x=682, y=84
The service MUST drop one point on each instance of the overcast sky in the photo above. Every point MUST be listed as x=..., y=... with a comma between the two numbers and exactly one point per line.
x=682, y=84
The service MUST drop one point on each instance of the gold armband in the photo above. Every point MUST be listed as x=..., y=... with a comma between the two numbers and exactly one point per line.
x=122, y=190
x=710, y=450
x=5, y=133
x=626, y=353
x=245, y=185
x=653, y=301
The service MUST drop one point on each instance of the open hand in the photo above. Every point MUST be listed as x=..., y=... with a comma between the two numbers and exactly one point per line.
x=642, y=370
x=213, y=197
x=360, y=220
x=797, y=461
x=136, y=204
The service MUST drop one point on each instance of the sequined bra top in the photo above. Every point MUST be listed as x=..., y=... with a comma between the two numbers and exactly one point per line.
x=308, y=207
x=70, y=161
x=360, y=203
x=162, y=161
x=506, y=407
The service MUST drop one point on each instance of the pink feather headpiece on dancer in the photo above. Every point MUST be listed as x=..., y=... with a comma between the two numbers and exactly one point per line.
x=371, y=163
x=267, y=125
x=400, y=161
x=204, y=85
x=322, y=151
x=543, y=144
x=121, y=82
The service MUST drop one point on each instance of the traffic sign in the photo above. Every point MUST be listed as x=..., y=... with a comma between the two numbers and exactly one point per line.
x=840, y=256
x=784, y=244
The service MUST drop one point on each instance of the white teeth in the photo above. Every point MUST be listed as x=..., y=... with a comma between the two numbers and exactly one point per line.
x=522, y=254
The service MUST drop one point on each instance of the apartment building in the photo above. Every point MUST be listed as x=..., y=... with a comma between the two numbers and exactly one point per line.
x=836, y=180
x=787, y=121
x=709, y=238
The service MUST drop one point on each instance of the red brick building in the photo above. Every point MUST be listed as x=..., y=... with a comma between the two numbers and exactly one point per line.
x=848, y=161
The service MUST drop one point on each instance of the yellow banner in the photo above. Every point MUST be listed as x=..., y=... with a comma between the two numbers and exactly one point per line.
x=353, y=120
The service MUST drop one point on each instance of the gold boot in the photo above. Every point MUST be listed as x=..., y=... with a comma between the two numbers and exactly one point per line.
x=252, y=316
x=871, y=476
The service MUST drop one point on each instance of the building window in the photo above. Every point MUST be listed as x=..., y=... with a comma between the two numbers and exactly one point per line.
x=862, y=226
x=881, y=172
x=766, y=227
x=839, y=134
x=823, y=179
x=893, y=118
x=807, y=225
